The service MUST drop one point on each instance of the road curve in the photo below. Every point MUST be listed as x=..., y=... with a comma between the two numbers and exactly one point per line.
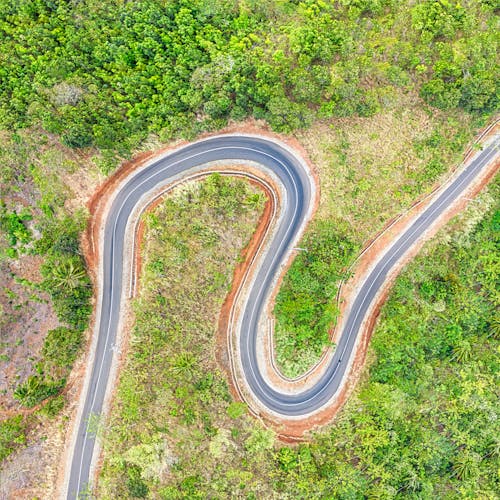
x=297, y=183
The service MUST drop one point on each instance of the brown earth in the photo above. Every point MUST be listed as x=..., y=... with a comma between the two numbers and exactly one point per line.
x=26, y=317
x=286, y=430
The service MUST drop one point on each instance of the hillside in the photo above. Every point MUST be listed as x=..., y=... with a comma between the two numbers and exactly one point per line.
x=384, y=96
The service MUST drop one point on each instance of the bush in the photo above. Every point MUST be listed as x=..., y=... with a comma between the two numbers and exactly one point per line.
x=14, y=225
x=12, y=434
x=53, y=407
x=137, y=488
x=66, y=281
x=60, y=235
x=77, y=136
x=236, y=409
x=61, y=346
x=35, y=389
x=305, y=309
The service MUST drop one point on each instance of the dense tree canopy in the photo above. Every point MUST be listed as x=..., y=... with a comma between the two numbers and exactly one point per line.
x=108, y=73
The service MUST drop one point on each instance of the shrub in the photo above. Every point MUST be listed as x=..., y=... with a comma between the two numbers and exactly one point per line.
x=66, y=281
x=14, y=225
x=61, y=346
x=236, y=409
x=12, y=434
x=35, y=389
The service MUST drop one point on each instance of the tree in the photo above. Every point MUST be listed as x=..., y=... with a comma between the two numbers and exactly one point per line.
x=68, y=274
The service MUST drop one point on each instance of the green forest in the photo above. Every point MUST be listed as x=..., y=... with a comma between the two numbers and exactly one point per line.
x=87, y=84
x=106, y=74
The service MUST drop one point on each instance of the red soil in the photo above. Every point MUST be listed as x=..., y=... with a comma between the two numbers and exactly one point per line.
x=287, y=430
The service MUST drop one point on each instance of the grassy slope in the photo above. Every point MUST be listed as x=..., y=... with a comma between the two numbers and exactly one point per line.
x=421, y=424
x=371, y=169
x=173, y=411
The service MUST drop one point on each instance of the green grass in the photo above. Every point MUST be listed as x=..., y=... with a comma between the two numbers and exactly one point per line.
x=422, y=423
x=371, y=170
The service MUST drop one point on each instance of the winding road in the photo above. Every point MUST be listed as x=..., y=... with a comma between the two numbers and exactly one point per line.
x=297, y=183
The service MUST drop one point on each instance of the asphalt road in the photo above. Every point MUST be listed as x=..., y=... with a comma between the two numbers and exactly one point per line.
x=299, y=192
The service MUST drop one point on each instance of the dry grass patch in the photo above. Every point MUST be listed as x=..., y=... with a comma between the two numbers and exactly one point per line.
x=371, y=170
x=173, y=431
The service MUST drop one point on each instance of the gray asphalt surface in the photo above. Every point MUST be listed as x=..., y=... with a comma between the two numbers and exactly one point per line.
x=297, y=184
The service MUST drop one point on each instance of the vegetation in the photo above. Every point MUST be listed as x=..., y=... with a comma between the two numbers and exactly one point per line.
x=371, y=170
x=14, y=225
x=35, y=224
x=180, y=68
x=422, y=423
x=12, y=434
x=35, y=389
x=66, y=281
x=186, y=66
x=63, y=272
x=58, y=354
x=304, y=306
x=171, y=392
x=392, y=92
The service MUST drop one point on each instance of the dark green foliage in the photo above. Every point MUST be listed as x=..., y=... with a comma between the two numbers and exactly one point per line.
x=193, y=241
x=422, y=424
x=305, y=305
x=66, y=280
x=60, y=236
x=190, y=487
x=438, y=18
x=53, y=407
x=12, y=434
x=467, y=77
x=77, y=137
x=35, y=389
x=287, y=459
x=106, y=74
x=64, y=273
x=60, y=347
x=137, y=488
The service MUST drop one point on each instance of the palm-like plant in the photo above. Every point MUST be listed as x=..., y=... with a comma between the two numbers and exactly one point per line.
x=68, y=275
x=462, y=352
x=465, y=465
x=184, y=364
x=495, y=326
x=23, y=392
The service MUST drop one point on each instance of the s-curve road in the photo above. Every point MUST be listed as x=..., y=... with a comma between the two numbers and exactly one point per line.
x=299, y=188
